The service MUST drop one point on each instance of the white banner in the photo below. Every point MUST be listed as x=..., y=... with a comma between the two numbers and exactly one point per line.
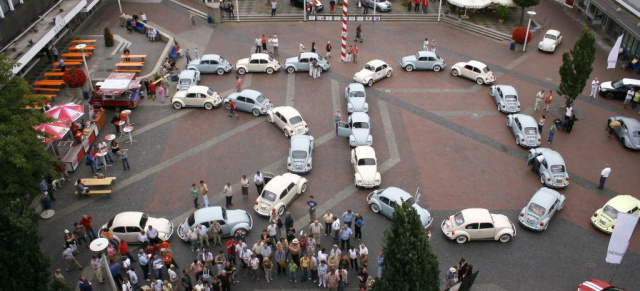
x=620, y=237
x=613, y=54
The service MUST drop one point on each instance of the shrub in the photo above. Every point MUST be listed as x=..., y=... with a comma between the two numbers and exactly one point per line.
x=519, y=34
x=74, y=77
x=502, y=11
x=108, y=37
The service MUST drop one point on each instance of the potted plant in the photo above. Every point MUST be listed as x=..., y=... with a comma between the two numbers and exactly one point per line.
x=75, y=79
x=502, y=12
x=108, y=37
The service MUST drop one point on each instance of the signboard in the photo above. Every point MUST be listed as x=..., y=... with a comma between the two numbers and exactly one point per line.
x=339, y=18
x=59, y=24
x=625, y=224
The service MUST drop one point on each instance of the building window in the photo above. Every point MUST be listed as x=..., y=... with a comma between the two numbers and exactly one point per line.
x=4, y=6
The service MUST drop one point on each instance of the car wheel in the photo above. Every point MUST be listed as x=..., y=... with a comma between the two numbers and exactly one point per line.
x=227, y=105
x=281, y=210
x=177, y=105
x=303, y=188
x=269, y=71
x=220, y=71
x=408, y=68
x=455, y=73
x=370, y=83
x=389, y=74
x=208, y=106
x=291, y=70
x=269, y=118
x=255, y=112
x=241, y=71
x=286, y=132
x=462, y=239
x=609, y=95
x=505, y=238
x=375, y=208
x=436, y=68
x=542, y=179
x=480, y=81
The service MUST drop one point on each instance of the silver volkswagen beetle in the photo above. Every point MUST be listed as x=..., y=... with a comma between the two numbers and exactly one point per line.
x=506, y=98
x=210, y=63
x=231, y=221
x=524, y=129
x=423, y=60
x=541, y=208
x=383, y=200
x=302, y=63
x=249, y=101
x=628, y=132
x=356, y=98
x=357, y=129
x=300, y=154
x=550, y=166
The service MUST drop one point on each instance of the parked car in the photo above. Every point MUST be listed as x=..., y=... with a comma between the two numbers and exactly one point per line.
x=383, y=200
x=381, y=5
x=196, y=96
x=357, y=129
x=473, y=70
x=506, y=98
x=231, y=221
x=605, y=218
x=257, y=63
x=287, y=119
x=365, y=167
x=628, y=132
x=187, y=79
x=300, y=158
x=301, y=63
x=298, y=3
x=524, y=129
x=279, y=192
x=249, y=101
x=618, y=89
x=552, y=39
x=541, y=208
x=372, y=72
x=356, y=98
x=550, y=166
x=598, y=285
x=423, y=60
x=478, y=224
x=127, y=225
x=210, y=63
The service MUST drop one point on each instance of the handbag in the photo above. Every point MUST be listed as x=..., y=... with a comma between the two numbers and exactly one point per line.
x=282, y=263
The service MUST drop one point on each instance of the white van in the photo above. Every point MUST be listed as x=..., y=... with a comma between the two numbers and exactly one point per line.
x=187, y=78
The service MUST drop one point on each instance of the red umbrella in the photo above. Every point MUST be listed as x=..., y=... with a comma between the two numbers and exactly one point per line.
x=56, y=130
x=69, y=112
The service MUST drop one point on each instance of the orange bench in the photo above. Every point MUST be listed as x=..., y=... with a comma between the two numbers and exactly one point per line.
x=53, y=74
x=83, y=41
x=133, y=57
x=87, y=48
x=68, y=63
x=47, y=96
x=47, y=89
x=49, y=83
x=75, y=55
x=127, y=71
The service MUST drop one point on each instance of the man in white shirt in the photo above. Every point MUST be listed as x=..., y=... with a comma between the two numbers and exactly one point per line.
x=203, y=235
x=595, y=86
x=274, y=42
x=302, y=47
x=143, y=259
x=133, y=278
x=173, y=277
x=272, y=231
x=363, y=250
x=627, y=99
x=258, y=179
x=335, y=227
x=569, y=113
x=245, y=256
x=258, y=42
x=142, y=237
x=207, y=259
x=152, y=234
x=316, y=229
x=604, y=175
x=126, y=286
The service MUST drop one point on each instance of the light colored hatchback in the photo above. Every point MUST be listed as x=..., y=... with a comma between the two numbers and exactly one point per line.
x=524, y=129
x=249, y=101
x=287, y=119
x=383, y=201
x=372, y=72
x=423, y=60
x=506, y=98
x=541, y=208
x=231, y=221
x=550, y=166
x=187, y=79
x=127, y=225
x=302, y=63
x=478, y=224
x=279, y=192
x=365, y=167
x=356, y=98
x=210, y=63
x=257, y=63
x=473, y=70
x=357, y=129
x=196, y=96
x=300, y=158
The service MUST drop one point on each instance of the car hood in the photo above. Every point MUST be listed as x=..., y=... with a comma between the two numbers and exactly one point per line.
x=164, y=227
x=360, y=135
x=292, y=60
x=547, y=42
x=242, y=61
x=606, y=86
x=357, y=103
x=238, y=216
x=409, y=59
x=368, y=173
x=362, y=74
x=500, y=221
x=425, y=216
x=385, y=4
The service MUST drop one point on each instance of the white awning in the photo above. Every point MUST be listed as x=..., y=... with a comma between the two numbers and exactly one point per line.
x=473, y=4
x=508, y=3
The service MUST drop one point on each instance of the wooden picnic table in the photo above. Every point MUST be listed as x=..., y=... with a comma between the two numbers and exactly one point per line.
x=130, y=64
x=133, y=56
x=76, y=55
x=84, y=41
x=68, y=64
x=98, y=185
x=48, y=83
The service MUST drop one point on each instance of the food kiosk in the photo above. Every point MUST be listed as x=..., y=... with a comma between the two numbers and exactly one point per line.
x=76, y=145
x=119, y=90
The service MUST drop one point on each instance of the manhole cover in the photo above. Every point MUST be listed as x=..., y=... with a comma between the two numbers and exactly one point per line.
x=475, y=114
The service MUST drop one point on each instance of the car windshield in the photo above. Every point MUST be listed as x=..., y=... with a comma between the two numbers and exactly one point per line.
x=511, y=98
x=356, y=94
x=209, y=92
x=270, y=59
x=143, y=220
x=366, y=162
x=556, y=169
x=360, y=125
x=550, y=36
x=530, y=130
x=260, y=98
x=459, y=219
x=381, y=0
x=269, y=196
x=185, y=81
x=486, y=70
x=295, y=120
x=191, y=220
x=369, y=67
x=299, y=154
x=617, y=84
x=537, y=209
x=636, y=134
x=610, y=211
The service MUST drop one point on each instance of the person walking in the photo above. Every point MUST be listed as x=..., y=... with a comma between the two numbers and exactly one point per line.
x=275, y=44
x=161, y=93
x=301, y=47
x=228, y=192
x=239, y=82
x=313, y=205
x=359, y=223
x=541, y=124
x=124, y=157
x=313, y=46
x=87, y=222
x=604, y=175
x=194, y=194
x=354, y=52
x=95, y=267
x=358, y=33
x=628, y=98
x=68, y=256
x=232, y=109
x=258, y=43
x=192, y=17
x=547, y=100
x=84, y=284
x=244, y=185
x=595, y=86
x=539, y=100
x=274, y=6
x=258, y=180
x=380, y=265
x=552, y=131
x=204, y=192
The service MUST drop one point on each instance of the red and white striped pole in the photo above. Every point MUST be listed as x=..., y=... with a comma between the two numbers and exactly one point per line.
x=343, y=53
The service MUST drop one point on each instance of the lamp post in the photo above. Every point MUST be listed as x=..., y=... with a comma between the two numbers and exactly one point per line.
x=84, y=59
x=237, y=8
x=526, y=36
x=99, y=245
x=120, y=6
x=439, y=10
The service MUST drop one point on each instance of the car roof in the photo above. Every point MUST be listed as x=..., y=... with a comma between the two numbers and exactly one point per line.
x=279, y=183
x=249, y=93
x=624, y=203
x=356, y=87
x=359, y=117
x=631, y=123
x=300, y=142
x=552, y=157
x=476, y=64
x=365, y=152
x=426, y=54
x=629, y=81
x=126, y=218
x=309, y=55
x=507, y=89
x=376, y=63
x=545, y=197
x=476, y=214
x=526, y=120
x=198, y=89
x=395, y=192
x=207, y=214
x=210, y=57
x=287, y=111
x=187, y=74
x=553, y=31
x=259, y=56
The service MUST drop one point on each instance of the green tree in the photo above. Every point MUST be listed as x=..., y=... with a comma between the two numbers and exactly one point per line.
x=23, y=160
x=409, y=263
x=577, y=65
x=25, y=267
x=108, y=37
x=525, y=4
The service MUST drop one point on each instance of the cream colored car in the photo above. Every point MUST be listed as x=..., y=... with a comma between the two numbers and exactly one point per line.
x=258, y=63
x=127, y=225
x=478, y=224
x=372, y=72
x=279, y=192
x=365, y=167
x=287, y=119
x=196, y=96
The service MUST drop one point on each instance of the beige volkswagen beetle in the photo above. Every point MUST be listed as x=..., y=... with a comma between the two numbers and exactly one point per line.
x=478, y=224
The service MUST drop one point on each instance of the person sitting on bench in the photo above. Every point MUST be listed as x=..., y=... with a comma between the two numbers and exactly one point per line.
x=81, y=188
x=127, y=53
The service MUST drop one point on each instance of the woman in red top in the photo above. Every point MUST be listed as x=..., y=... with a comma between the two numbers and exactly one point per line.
x=87, y=222
x=167, y=258
x=231, y=250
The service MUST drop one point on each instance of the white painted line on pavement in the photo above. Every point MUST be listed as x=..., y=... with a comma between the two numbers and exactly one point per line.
x=291, y=87
x=335, y=94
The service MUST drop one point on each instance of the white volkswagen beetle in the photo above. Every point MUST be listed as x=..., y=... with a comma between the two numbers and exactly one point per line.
x=357, y=129
x=473, y=70
x=279, y=192
x=550, y=41
x=288, y=119
x=478, y=224
x=372, y=72
x=365, y=167
x=196, y=96
x=257, y=63
x=127, y=225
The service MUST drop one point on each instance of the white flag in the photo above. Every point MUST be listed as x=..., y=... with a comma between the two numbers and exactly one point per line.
x=613, y=55
x=620, y=237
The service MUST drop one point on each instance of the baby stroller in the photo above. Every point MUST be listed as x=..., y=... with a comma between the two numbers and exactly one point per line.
x=561, y=125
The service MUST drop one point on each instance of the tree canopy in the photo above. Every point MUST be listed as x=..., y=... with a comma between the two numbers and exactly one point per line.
x=577, y=65
x=525, y=4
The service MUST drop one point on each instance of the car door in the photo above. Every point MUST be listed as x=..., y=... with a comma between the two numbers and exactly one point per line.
x=204, y=66
x=386, y=206
x=213, y=65
x=254, y=65
x=190, y=99
x=121, y=233
x=263, y=65
x=249, y=104
x=552, y=210
x=290, y=193
x=516, y=127
x=486, y=231
x=476, y=73
x=499, y=96
x=472, y=230
x=344, y=129
x=620, y=130
x=379, y=73
x=467, y=71
x=226, y=230
x=241, y=103
x=280, y=120
x=303, y=64
x=132, y=233
x=531, y=156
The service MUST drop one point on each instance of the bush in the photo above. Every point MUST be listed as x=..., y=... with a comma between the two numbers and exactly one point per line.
x=502, y=12
x=519, y=33
x=108, y=37
x=74, y=77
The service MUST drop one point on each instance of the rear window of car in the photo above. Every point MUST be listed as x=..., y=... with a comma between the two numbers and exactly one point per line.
x=556, y=169
x=530, y=130
x=356, y=94
x=185, y=81
x=537, y=209
x=295, y=120
x=486, y=70
x=360, y=125
x=459, y=219
x=299, y=154
x=610, y=211
x=269, y=196
x=366, y=162
x=191, y=220
x=550, y=36
x=511, y=98
x=260, y=99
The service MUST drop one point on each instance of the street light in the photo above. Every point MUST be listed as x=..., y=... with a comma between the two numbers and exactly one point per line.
x=439, y=10
x=84, y=59
x=526, y=36
x=99, y=245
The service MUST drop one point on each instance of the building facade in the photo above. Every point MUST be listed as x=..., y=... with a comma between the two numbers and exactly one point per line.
x=615, y=18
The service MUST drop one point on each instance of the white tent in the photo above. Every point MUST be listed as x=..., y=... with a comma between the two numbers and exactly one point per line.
x=472, y=4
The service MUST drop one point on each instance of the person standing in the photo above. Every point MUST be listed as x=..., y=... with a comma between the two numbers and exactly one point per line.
x=322, y=273
x=541, y=124
x=263, y=41
x=275, y=44
x=628, y=98
x=354, y=52
x=187, y=55
x=547, y=100
x=301, y=47
x=95, y=266
x=87, y=222
x=270, y=44
x=61, y=65
x=84, y=284
x=332, y=280
x=152, y=91
x=204, y=191
x=380, y=265
x=152, y=234
x=313, y=46
x=267, y=266
x=258, y=42
x=425, y=5
x=570, y=123
x=365, y=7
x=635, y=100
x=568, y=114
x=433, y=46
x=228, y=192
x=450, y=278
x=332, y=6
x=196, y=54
x=328, y=48
x=425, y=44
x=231, y=7
x=232, y=109
x=122, y=154
x=552, y=131
x=335, y=228
x=258, y=180
x=133, y=278
x=203, y=235
x=345, y=237
x=313, y=204
x=274, y=5
x=161, y=93
x=409, y=6
x=185, y=280
x=359, y=223
x=416, y=6
x=347, y=59
x=348, y=216
x=194, y=195
x=239, y=82
x=539, y=100
x=143, y=260
x=603, y=176
x=337, y=118
x=192, y=17
x=68, y=256
x=358, y=33
x=55, y=53
x=595, y=86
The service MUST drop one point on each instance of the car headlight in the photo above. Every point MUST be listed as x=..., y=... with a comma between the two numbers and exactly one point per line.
x=359, y=182
x=352, y=142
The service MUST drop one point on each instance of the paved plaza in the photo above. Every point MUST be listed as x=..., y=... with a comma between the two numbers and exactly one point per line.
x=430, y=129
